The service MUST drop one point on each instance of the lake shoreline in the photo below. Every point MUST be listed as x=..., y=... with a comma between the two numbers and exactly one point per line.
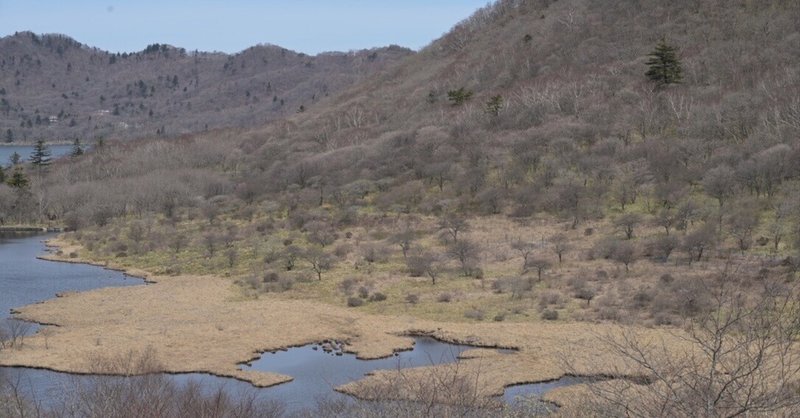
x=31, y=229
x=203, y=325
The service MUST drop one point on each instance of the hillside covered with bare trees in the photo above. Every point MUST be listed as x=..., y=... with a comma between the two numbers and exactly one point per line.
x=618, y=162
x=57, y=89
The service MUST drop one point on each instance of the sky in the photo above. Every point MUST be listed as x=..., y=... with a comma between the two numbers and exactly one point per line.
x=309, y=26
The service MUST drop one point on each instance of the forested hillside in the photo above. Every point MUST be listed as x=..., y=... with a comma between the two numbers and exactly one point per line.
x=578, y=130
x=54, y=88
x=530, y=165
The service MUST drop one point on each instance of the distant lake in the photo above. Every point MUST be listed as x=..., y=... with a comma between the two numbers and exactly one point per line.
x=25, y=151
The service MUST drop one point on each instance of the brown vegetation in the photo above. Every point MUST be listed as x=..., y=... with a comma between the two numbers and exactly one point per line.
x=585, y=196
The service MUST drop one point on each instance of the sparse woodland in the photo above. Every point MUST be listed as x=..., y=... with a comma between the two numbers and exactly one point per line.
x=521, y=168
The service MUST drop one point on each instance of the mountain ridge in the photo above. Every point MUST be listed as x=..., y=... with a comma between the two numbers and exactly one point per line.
x=55, y=88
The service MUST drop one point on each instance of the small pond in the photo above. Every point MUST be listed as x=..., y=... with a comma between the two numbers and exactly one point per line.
x=537, y=390
x=317, y=371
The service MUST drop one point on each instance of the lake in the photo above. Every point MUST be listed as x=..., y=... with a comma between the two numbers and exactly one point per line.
x=25, y=152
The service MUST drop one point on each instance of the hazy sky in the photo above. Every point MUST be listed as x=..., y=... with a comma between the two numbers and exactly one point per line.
x=309, y=26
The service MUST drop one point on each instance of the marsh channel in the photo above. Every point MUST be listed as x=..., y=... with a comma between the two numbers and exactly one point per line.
x=316, y=368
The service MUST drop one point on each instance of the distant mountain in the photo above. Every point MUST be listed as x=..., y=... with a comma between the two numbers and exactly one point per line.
x=55, y=88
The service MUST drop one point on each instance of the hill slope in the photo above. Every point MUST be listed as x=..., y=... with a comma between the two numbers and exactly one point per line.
x=522, y=168
x=581, y=136
x=54, y=88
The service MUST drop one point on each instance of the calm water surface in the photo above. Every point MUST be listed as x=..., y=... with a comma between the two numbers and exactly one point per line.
x=316, y=372
x=25, y=151
x=24, y=279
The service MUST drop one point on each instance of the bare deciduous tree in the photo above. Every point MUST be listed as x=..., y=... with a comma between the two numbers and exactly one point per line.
x=627, y=223
x=453, y=224
x=525, y=249
x=538, y=264
x=319, y=260
x=560, y=246
x=466, y=252
x=740, y=358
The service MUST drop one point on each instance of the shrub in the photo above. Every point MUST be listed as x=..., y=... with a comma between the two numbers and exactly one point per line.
x=412, y=298
x=642, y=298
x=119, y=247
x=354, y=302
x=586, y=293
x=418, y=264
x=609, y=314
x=342, y=250
x=252, y=282
x=272, y=256
x=347, y=286
x=661, y=248
x=264, y=227
x=549, y=297
x=664, y=318
x=363, y=292
x=173, y=270
x=514, y=285
x=578, y=281
x=604, y=248
x=444, y=297
x=270, y=277
x=500, y=317
x=375, y=254
x=305, y=277
x=475, y=314
x=278, y=284
x=377, y=297
x=550, y=315
x=286, y=283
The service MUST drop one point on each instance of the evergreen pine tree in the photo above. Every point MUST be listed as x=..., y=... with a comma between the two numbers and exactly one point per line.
x=459, y=97
x=664, y=66
x=77, y=149
x=18, y=180
x=15, y=158
x=40, y=157
x=2, y=175
x=494, y=105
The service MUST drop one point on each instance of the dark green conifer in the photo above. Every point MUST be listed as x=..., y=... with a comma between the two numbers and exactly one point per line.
x=40, y=157
x=15, y=158
x=663, y=65
x=18, y=180
x=77, y=149
x=459, y=97
x=494, y=105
